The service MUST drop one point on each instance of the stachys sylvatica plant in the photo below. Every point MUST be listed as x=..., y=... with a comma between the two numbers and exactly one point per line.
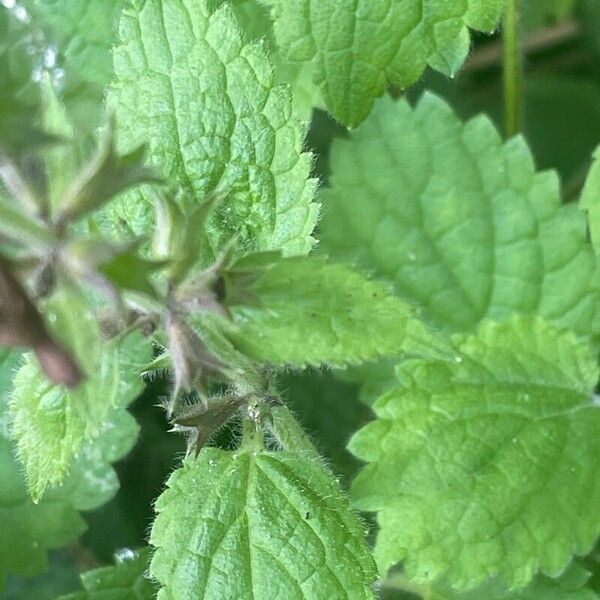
x=284, y=315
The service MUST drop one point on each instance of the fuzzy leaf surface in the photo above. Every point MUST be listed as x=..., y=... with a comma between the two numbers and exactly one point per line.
x=207, y=103
x=123, y=581
x=357, y=48
x=50, y=423
x=30, y=530
x=304, y=311
x=255, y=21
x=278, y=521
x=488, y=466
x=460, y=222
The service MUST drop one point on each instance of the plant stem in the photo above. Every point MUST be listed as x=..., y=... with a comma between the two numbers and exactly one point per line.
x=513, y=69
x=289, y=433
x=252, y=437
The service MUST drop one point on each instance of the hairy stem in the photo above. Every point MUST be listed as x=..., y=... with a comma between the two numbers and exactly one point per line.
x=513, y=69
x=290, y=435
x=252, y=436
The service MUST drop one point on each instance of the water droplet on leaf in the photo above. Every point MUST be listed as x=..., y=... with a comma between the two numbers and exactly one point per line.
x=125, y=554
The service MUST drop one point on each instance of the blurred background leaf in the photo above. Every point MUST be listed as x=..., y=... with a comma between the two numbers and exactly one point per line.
x=78, y=36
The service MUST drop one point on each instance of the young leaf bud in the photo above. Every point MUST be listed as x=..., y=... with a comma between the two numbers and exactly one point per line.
x=189, y=354
x=106, y=175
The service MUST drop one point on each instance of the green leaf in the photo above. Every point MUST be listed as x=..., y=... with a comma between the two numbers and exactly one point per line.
x=305, y=311
x=116, y=265
x=123, y=581
x=207, y=103
x=487, y=466
x=376, y=42
x=252, y=17
x=29, y=530
x=459, y=222
x=277, y=521
x=590, y=200
x=15, y=63
x=19, y=127
x=305, y=94
x=256, y=24
x=83, y=32
x=554, y=104
x=107, y=174
x=51, y=423
x=238, y=368
x=62, y=160
x=129, y=271
x=61, y=577
x=178, y=236
x=571, y=585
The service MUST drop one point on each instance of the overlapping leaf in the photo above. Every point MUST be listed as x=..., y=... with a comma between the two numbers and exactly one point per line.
x=358, y=47
x=257, y=525
x=301, y=311
x=459, y=222
x=573, y=584
x=15, y=68
x=50, y=423
x=256, y=24
x=124, y=581
x=488, y=466
x=29, y=530
x=84, y=30
x=19, y=128
x=187, y=82
x=79, y=35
